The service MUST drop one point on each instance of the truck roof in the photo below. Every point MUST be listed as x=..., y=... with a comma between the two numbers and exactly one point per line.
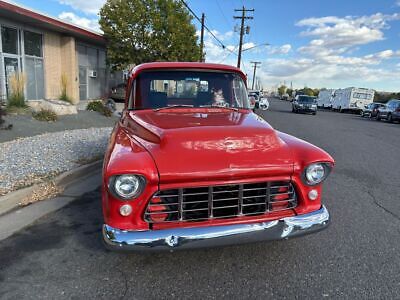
x=186, y=65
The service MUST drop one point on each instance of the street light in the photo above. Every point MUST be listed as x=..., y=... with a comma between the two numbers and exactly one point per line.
x=266, y=44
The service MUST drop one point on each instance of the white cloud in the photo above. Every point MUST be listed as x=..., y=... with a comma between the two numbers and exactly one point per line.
x=329, y=57
x=86, y=6
x=91, y=24
x=309, y=72
x=334, y=32
x=285, y=49
x=247, y=46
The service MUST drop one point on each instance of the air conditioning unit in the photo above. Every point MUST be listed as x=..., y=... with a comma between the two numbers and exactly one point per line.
x=92, y=74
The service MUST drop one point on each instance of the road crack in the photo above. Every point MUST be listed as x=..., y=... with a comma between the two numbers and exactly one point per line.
x=125, y=291
x=382, y=207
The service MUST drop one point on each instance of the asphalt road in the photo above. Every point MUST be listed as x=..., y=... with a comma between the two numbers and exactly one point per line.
x=357, y=257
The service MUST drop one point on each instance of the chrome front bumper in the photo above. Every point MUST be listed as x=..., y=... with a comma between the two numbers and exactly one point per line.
x=213, y=236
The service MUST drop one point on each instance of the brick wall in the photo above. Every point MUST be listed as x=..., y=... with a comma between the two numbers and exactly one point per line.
x=60, y=58
x=52, y=66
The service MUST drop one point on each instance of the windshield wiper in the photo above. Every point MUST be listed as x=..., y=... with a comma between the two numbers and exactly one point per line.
x=173, y=106
x=217, y=106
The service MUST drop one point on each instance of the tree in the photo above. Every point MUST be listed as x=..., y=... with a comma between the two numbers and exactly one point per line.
x=141, y=31
x=282, y=90
x=289, y=92
x=308, y=91
x=385, y=97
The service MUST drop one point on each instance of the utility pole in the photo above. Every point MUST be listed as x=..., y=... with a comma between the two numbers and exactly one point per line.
x=242, y=17
x=255, y=64
x=202, y=38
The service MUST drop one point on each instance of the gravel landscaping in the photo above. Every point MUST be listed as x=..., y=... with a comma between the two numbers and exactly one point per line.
x=30, y=160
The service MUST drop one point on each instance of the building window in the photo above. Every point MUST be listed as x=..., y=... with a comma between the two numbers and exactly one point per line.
x=34, y=78
x=33, y=65
x=33, y=44
x=9, y=40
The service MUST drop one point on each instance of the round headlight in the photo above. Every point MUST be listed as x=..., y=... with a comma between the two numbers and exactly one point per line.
x=316, y=173
x=127, y=186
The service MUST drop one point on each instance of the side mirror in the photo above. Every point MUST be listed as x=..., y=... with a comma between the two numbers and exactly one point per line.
x=252, y=100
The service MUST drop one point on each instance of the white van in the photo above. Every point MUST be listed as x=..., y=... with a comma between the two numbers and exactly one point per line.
x=325, y=98
x=352, y=98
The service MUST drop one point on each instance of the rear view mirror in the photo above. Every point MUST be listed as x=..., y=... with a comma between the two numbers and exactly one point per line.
x=252, y=100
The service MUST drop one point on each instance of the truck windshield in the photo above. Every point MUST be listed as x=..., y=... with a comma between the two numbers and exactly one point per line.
x=159, y=89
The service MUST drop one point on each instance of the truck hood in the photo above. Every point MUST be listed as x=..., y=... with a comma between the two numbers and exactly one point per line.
x=191, y=145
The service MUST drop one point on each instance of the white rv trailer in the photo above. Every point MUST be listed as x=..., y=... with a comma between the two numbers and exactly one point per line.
x=325, y=98
x=352, y=98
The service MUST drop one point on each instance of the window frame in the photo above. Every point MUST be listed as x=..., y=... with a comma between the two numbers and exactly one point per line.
x=41, y=43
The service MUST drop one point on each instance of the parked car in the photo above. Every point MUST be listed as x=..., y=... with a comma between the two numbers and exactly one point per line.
x=371, y=110
x=118, y=92
x=189, y=165
x=390, y=112
x=285, y=97
x=306, y=104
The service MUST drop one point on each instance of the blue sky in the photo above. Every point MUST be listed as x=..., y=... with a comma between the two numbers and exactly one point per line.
x=329, y=44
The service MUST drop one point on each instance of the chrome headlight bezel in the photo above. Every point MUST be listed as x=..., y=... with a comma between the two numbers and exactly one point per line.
x=307, y=176
x=116, y=192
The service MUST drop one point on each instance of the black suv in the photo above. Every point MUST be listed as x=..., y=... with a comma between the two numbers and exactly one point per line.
x=305, y=104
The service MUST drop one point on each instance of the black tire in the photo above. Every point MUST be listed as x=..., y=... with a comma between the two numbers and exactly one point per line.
x=389, y=118
x=314, y=113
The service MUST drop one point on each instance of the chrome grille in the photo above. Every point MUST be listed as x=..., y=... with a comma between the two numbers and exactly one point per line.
x=220, y=201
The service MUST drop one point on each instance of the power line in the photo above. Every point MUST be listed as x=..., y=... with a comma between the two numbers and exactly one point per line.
x=229, y=54
x=205, y=26
x=222, y=12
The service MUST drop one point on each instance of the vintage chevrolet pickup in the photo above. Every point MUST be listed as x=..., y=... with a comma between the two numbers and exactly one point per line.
x=189, y=165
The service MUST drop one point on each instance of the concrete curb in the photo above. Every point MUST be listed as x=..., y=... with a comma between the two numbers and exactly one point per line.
x=12, y=200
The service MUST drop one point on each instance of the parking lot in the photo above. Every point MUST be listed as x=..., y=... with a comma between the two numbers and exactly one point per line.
x=357, y=257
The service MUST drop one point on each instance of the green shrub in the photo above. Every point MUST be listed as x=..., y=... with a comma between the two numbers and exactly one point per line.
x=99, y=107
x=46, y=115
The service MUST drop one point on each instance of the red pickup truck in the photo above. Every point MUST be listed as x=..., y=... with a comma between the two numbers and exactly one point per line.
x=189, y=165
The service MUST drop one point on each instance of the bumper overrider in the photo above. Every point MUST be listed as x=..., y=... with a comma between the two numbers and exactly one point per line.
x=213, y=236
